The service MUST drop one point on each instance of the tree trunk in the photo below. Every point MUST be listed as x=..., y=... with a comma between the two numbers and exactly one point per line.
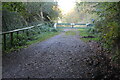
x=41, y=15
x=36, y=19
x=26, y=23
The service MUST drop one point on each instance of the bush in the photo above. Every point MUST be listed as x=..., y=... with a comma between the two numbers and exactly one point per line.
x=32, y=34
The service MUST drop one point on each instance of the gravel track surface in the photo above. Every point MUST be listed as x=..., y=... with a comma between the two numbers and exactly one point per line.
x=61, y=56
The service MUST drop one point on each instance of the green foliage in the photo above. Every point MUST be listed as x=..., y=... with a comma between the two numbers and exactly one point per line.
x=89, y=32
x=111, y=37
x=37, y=34
x=17, y=15
x=42, y=37
x=107, y=25
x=18, y=40
x=14, y=6
x=53, y=30
x=22, y=14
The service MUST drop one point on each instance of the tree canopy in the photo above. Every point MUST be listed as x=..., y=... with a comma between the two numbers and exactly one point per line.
x=16, y=14
x=107, y=21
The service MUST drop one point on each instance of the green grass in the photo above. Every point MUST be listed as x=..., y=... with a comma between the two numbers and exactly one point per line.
x=43, y=36
x=70, y=33
x=90, y=39
x=38, y=38
x=14, y=49
x=84, y=32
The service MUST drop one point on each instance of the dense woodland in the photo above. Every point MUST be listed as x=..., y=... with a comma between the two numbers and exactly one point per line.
x=102, y=60
x=106, y=17
x=23, y=14
x=106, y=24
x=17, y=15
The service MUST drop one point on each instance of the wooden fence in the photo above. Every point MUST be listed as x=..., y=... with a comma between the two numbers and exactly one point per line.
x=15, y=31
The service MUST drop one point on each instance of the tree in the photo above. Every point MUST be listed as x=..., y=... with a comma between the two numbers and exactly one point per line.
x=106, y=23
x=16, y=14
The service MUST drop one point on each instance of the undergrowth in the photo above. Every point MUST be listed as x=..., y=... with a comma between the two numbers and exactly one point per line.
x=87, y=32
x=26, y=38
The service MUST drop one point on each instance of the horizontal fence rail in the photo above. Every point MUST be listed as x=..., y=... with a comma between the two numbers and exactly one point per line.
x=19, y=29
x=70, y=24
x=15, y=31
x=74, y=24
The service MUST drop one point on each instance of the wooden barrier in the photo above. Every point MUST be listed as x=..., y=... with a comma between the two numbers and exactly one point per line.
x=12, y=32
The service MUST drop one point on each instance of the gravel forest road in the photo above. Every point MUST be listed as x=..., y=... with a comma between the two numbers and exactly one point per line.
x=61, y=56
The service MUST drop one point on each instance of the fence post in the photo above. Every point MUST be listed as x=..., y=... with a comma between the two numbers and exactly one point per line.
x=11, y=38
x=4, y=35
x=23, y=31
x=27, y=32
x=17, y=34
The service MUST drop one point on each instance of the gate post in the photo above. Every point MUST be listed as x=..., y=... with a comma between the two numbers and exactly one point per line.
x=55, y=25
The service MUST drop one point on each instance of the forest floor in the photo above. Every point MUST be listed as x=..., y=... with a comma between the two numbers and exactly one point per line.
x=62, y=56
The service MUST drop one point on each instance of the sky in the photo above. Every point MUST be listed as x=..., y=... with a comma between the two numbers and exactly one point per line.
x=66, y=5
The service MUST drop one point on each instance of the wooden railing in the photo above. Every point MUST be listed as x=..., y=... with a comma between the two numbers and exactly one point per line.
x=15, y=31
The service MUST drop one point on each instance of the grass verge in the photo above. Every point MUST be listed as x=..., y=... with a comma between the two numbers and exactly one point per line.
x=84, y=32
x=38, y=38
x=70, y=33
x=43, y=37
